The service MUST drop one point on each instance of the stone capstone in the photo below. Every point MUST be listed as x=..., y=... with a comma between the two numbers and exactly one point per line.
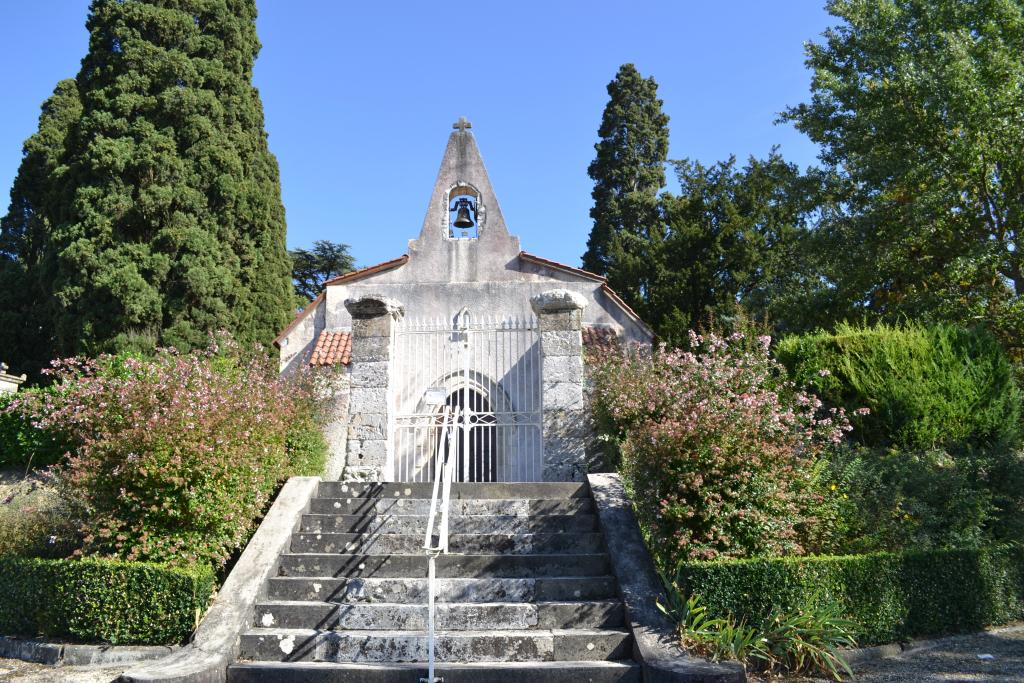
x=373, y=306
x=557, y=300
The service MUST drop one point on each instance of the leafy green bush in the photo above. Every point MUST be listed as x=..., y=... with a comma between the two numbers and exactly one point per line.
x=23, y=444
x=176, y=456
x=108, y=601
x=926, y=387
x=892, y=596
x=938, y=465
x=875, y=499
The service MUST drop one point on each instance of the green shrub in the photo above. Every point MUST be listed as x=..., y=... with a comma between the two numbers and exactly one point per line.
x=926, y=387
x=22, y=444
x=106, y=601
x=892, y=596
x=877, y=499
x=175, y=457
x=718, y=449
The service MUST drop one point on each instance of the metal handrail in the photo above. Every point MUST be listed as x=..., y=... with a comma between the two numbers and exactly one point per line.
x=444, y=469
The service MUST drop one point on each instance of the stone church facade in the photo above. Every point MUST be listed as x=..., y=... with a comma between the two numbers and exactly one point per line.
x=465, y=319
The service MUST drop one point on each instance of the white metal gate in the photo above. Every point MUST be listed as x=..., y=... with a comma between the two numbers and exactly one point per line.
x=490, y=369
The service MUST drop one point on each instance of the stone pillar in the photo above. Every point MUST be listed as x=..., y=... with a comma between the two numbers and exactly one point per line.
x=369, y=403
x=9, y=383
x=565, y=419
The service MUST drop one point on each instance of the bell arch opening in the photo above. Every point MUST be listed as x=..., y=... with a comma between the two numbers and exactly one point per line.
x=465, y=214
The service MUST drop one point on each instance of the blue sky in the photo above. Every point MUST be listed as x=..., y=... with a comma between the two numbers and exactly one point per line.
x=360, y=98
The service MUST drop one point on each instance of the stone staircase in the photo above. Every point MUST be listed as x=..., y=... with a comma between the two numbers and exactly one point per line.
x=526, y=593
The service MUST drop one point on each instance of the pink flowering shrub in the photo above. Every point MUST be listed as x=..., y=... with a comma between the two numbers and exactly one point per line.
x=718, y=450
x=175, y=457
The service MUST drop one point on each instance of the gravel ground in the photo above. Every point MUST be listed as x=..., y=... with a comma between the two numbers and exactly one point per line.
x=950, y=660
x=17, y=671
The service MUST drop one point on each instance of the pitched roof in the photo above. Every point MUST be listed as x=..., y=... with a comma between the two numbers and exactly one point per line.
x=369, y=270
x=561, y=266
x=299, y=317
x=332, y=348
x=338, y=280
x=593, y=277
x=624, y=306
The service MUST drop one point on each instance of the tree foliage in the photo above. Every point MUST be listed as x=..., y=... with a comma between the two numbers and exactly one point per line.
x=25, y=229
x=628, y=173
x=919, y=109
x=732, y=247
x=311, y=268
x=162, y=214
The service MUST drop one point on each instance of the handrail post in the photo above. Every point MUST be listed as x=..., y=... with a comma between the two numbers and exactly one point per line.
x=443, y=469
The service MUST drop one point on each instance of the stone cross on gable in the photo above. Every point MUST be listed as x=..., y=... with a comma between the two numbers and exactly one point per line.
x=462, y=124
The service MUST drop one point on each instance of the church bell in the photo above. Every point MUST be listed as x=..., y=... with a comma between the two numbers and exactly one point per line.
x=462, y=217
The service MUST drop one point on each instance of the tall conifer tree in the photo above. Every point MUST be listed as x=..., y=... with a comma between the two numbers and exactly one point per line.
x=628, y=173
x=25, y=326
x=169, y=222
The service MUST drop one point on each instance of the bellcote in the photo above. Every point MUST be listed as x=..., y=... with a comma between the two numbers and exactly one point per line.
x=463, y=205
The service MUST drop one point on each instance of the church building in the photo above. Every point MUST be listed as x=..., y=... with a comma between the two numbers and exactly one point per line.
x=465, y=320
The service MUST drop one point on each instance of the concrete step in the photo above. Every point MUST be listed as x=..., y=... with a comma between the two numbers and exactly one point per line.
x=388, y=523
x=466, y=506
x=507, y=672
x=448, y=590
x=312, y=645
x=457, y=616
x=448, y=566
x=490, y=544
x=395, y=490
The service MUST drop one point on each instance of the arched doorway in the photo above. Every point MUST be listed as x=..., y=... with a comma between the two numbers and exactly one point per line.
x=477, y=449
x=490, y=370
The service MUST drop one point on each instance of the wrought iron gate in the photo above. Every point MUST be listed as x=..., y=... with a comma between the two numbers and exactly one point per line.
x=490, y=369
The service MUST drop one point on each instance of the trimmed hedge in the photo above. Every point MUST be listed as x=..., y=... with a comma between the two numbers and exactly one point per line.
x=891, y=596
x=105, y=601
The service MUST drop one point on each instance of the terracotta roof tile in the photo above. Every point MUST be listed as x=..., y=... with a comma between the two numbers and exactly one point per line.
x=332, y=348
x=600, y=338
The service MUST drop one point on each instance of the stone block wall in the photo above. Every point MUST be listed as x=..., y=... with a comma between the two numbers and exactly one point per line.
x=369, y=396
x=566, y=422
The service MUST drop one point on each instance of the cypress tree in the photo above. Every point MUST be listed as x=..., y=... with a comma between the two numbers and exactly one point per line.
x=628, y=173
x=25, y=328
x=169, y=222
